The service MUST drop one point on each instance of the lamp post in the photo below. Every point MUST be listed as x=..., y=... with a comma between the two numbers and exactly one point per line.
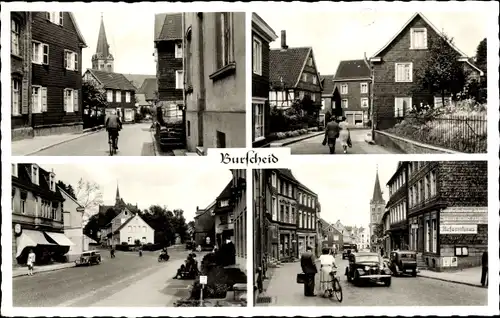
x=84, y=223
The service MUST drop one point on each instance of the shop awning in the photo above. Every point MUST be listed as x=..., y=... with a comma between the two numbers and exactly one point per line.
x=30, y=238
x=60, y=239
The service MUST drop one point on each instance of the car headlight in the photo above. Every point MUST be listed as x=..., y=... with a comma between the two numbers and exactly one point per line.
x=367, y=268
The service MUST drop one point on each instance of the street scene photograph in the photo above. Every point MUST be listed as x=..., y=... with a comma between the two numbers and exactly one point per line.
x=91, y=83
x=372, y=233
x=376, y=82
x=128, y=235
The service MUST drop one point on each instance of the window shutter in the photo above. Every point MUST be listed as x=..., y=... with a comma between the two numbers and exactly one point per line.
x=23, y=91
x=45, y=54
x=66, y=62
x=61, y=15
x=65, y=98
x=218, y=39
x=76, y=61
x=75, y=100
x=44, y=99
x=33, y=53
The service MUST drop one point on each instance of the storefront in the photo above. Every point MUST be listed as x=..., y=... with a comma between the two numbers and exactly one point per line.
x=129, y=115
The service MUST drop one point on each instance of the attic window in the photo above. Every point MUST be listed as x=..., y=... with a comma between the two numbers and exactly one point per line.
x=418, y=39
x=224, y=203
x=34, y=174
x=304, y=77
x=55, y=17
x=178, y=50
x=52, y=182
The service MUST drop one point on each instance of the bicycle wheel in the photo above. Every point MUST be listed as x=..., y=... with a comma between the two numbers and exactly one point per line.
x=111, y=147
x=337, y=290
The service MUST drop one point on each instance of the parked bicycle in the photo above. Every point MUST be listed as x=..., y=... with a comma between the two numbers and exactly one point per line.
x=332, y=286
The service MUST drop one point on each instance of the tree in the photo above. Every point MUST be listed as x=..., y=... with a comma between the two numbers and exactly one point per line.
x=67, y=188
x=92, y=96
x=481, y=56
x=441, y=72
x=88, y=194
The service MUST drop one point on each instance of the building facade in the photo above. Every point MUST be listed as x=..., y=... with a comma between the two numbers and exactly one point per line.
x=327, y=100
x=46, y=64
x=377, y=209
x=262, y=35
x=395, y=67
x=204, y=226
x=333, y=238
x=73, y=225
x=397, y=207
x=353, y=82
x=447, y=213
x=37, y=215
x=307, y=219
x=293, y=76
x=214, y=80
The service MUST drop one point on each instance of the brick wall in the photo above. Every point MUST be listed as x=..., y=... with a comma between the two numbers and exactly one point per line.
x=463, y=183
x=167, y=65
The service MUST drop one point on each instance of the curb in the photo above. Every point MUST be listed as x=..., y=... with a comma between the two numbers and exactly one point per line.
x=84, y=134
x=69, y=265
x=286, y=143
x=453, y=281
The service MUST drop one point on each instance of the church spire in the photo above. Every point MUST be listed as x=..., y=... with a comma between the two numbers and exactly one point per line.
x=377, y=191
x=102, y=59
x=117, y=193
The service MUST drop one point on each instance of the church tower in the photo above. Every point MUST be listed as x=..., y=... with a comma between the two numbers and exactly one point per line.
x=377, y=207
x=102, y=60
x=117, y=199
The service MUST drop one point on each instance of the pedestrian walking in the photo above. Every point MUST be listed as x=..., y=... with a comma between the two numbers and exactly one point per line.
x=308, y=264
x=31, y=262
x=484, y=270
x=344, y=135
x=332, y=131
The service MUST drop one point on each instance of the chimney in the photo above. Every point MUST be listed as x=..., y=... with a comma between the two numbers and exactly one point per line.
x=283, y=40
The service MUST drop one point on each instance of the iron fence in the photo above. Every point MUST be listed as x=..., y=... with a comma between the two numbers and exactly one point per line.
x=463, y=133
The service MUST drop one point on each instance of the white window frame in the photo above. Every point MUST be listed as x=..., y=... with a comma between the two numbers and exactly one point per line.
x=304, y=77
x=16, y=97
x=118, y=96
x=313, y=97
x=15, y=33
x=109, y=95
x=403, y=79
x=38, y=100
x=40, y=53
x=310, y=61
x=364, y=99
x=400, y=111
x=363, y=87
x=127, y=97
x=69, y=106
x=427, y=235
x=273, y=179
x=226, y=59
x=70, y=60
x=274, y=209
x=35, y=174
x=315, y=80
x=344, y=89
x=52, y=182
x=434, y=235
x=346, y=104
x=258, y=121
x=224, y=203
x=257, y=56
x=412, y=39
x=178, y=50
x=56, y=17
x=179, y=79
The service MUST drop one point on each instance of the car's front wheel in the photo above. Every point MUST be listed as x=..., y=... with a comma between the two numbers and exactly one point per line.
x=356, y=278
x=387, y=282
x=414, y=273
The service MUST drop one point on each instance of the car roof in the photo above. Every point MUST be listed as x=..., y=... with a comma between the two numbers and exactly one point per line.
x=404, y=251
x=366, y=254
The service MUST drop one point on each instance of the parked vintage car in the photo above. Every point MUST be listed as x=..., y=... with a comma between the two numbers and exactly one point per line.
x=367, y=266
x=90, y=258
x=402, y=262
x=348, y=249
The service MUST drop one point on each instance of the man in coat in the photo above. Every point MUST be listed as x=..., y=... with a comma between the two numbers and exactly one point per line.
x=484, y=270
x=308, y=264
x=332, y=131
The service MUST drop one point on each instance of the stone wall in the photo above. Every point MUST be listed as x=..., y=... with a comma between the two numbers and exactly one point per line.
x=401, y=145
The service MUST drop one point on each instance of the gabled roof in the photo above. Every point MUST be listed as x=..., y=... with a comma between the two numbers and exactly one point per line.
x=287, y=173
x=352, y=69
x=78, y=32
x=43, y=187
x=141, y=100
x=328, y=83
x=128, y=221
x=149, y=88
x=168, y=26
x=463, y=56
x=138, y=80
x=285, y=66
x=268, y=33
x=69, y=196
x=111, y=80
x=324, y=224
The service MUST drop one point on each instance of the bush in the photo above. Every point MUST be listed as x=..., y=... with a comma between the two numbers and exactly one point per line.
x=152, y=247
x=123, y=247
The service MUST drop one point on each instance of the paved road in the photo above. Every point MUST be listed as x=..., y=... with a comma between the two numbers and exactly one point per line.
x=134, y=140
x=109, y=284
x=313, y=146
x=404, y=291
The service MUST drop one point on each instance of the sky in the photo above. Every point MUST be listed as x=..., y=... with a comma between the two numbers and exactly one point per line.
x=150, y=184
x=346, y=35
x=345, y=189
x=130, y=37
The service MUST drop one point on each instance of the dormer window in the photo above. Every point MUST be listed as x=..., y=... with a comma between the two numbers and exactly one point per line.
x=52, y=182
x=418, y=39
x=224, y=203
x=55, y=17
x=14, y=170
x=34, y=174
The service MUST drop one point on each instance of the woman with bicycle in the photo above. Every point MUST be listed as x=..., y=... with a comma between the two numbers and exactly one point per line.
x=327, y=272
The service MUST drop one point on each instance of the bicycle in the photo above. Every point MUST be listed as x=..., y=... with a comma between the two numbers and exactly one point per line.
x=334, y=287
x=112, y=145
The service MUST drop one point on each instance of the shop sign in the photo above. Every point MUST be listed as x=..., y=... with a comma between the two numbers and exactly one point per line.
x=458, y=229
x=464, y=215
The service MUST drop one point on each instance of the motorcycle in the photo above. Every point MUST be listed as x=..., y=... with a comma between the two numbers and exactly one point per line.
x=163, y=257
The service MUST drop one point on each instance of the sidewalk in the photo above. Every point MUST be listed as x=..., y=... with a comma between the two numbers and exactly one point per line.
x=467, y=276
x=292, y=140
x=27, y=147
x=23, y=271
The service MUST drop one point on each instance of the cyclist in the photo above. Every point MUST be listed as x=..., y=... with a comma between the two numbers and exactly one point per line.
x=113, y=126
x=327, y=273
